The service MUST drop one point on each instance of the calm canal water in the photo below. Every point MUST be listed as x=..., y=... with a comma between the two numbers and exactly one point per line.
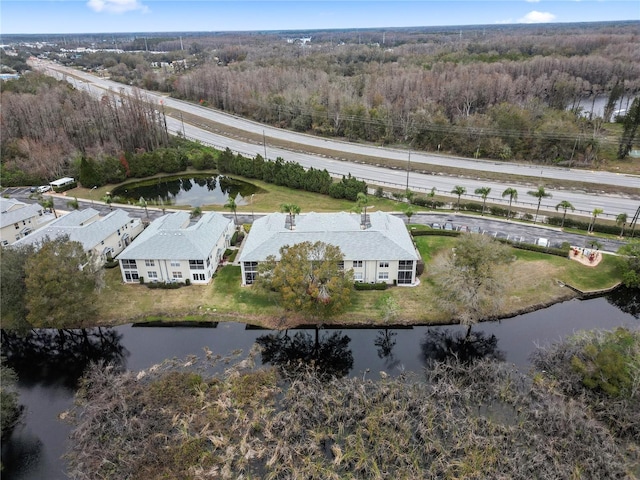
x=49, y=364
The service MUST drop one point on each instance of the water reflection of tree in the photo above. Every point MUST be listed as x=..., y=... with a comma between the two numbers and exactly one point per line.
x=61, y=356
x=385, y=342
x=626, y=299
x=439, y=345
x=186, y=184
x=329, y=354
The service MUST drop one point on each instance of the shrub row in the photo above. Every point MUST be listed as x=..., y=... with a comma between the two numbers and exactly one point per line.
x=435, y=231
x=370, y=286
x=428, y=202
x=290, y=174
x=571, y=223
x=560, y=252
x=165, y=285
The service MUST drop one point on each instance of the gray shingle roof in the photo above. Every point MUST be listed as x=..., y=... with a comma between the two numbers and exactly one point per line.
x=73, y=225
x=9, y=217
x=170, y=237
x=386, y=239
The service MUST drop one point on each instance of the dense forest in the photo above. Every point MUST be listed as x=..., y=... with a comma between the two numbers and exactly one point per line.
x=46, y=125
x=501, y=92
x=525, y=93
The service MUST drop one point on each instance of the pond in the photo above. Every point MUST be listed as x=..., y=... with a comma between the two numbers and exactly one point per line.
x=194, y=191
x=50, y=362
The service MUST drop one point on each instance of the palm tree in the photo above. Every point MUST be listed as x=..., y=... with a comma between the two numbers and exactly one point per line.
x=459, y=191
x=292, y=209
x=410, y=196
x=595, y=213
x=432, y=195
x=564, y=204
x=512, y=193
x=231, y=205
x=409, y=210
x=108, y=200
x=540, y=193
x=73, y=203
x=143, y=203
x=484, y=193
x=362, y=202
x=48, y=203
x=621, y=221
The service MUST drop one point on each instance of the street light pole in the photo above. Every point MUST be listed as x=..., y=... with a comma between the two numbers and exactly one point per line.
x=408, y=169
x=264, y=142
x=184, y=135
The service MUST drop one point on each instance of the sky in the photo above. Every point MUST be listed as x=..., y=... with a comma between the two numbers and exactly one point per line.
x=106, y=16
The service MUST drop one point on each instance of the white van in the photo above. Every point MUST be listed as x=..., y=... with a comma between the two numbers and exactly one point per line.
x=44, y=188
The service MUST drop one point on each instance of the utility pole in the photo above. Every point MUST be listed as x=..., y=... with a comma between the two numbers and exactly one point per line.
x=184, y=135
x=264, y=142
x=408, y=169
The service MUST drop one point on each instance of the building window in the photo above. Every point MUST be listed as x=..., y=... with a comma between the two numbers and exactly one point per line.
x=118, y=231
x=17, y=226
x=208, y=262
x=341, y=266
x=131, y=276
x=196, y=264
x=5, y=242
x=383, y=276
x=152, y=275
x=250, y=272
x=405, y=277
x=198, y=277
x=129, y=264
x=176, y=275
x=149, y=263
x=384, y=264
x=175, y=263
x=357, y=276
x=357, y=264
x=405, y=265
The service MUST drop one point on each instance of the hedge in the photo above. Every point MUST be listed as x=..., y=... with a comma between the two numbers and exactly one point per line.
x=435, y=231
x=560, y=252
x=571, y=223
x=370, y=286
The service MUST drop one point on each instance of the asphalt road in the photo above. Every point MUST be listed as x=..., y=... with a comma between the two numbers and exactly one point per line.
x=584, y=202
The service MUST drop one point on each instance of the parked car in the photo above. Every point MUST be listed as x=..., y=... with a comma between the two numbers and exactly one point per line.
x=463, y=229
x=448, y=226
x=476, y=229
x=436, y=225
x=44, y=188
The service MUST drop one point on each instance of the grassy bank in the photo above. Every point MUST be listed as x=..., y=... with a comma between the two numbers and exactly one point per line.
x=534, y=279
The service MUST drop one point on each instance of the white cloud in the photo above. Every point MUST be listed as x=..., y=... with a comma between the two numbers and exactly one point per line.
x=537, y=17
x=532, y=1
x=116, y=6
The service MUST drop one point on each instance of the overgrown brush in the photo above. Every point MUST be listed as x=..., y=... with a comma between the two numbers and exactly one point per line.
x=476, y=420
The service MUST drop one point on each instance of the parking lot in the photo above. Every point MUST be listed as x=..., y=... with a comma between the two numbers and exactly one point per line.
x=514, y=231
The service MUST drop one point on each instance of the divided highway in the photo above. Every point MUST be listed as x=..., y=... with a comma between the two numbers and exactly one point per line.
x=584, y=202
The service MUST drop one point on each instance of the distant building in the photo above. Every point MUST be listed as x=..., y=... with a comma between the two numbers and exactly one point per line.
x=19, y=219
x=378, y=247
x=104, y=236
x=172, y=249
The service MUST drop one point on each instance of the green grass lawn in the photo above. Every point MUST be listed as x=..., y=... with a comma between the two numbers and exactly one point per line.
x=535, y=278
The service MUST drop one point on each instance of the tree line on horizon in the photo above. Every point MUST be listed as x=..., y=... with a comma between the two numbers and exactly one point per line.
x=506, y=93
